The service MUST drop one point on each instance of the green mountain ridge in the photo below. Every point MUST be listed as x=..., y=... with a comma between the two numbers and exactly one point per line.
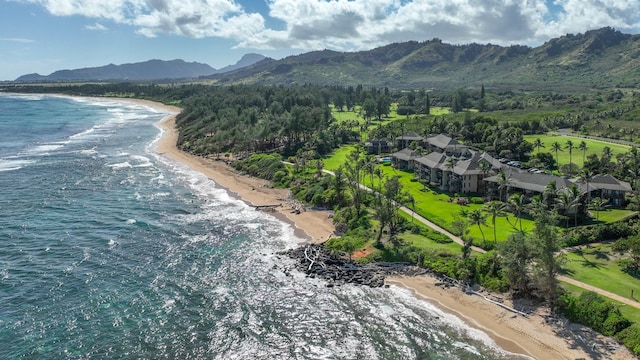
x=602, y=58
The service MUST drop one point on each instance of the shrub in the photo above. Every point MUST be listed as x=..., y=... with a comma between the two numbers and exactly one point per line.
x=630, y=337
x=595, y=311
x=476, y=200
x=602, y=232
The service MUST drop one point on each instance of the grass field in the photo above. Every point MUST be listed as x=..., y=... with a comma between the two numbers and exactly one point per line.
x=597, y=266
x=436, y=207
x=593, y=147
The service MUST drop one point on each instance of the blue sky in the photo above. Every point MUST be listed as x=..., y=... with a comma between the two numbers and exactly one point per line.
x=43, y=36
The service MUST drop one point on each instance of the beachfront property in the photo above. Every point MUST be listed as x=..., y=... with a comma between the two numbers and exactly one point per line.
x=449, y=166
x=603, y=186
x=454, y=167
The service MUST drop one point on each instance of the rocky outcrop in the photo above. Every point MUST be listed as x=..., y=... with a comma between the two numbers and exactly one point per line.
x=319, y=262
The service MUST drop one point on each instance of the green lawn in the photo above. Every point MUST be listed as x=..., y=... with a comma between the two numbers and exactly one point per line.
x=612, y=215
x=593, y=147
x=338, y=157
x=437, y=110
x=436, y=207
x=421, y=242
x=597, y=266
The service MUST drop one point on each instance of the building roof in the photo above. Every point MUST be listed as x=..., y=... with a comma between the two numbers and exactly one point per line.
x=471, y=166
x=432, y=160
x=410, y=136
x=531, y=182
x=604, y=182
x=378, y=141
x=441, y=141
x=405, y=154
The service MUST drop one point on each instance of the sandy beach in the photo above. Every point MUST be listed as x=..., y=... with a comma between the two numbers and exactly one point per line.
x=536, y=336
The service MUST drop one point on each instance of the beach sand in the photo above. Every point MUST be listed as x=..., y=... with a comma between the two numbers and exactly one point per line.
x=535, y=336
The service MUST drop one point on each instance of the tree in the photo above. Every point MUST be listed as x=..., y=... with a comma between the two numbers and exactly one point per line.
x=586, y=176
x=495, y=209
x=485, y=168
x=516, y=256
x=450, y=164
x=598, y=204
x=477, y=217
x=570, y=146
x=545, y=242
x=503, y=184
x=370, y=108
x=538, y=144
x=517, y=204
x=458, y=100
x=583, y=147
x=354, y=172
x=556, y=147
x=482, y=102
x=427, y=105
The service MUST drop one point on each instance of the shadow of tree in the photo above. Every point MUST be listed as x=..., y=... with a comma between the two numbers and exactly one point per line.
x=601, y=255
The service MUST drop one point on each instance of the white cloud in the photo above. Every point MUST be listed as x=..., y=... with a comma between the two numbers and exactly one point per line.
x=96, y=27
x=18, y=40
x=358, y=24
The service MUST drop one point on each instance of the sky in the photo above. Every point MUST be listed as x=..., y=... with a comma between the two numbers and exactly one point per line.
x=42, y=36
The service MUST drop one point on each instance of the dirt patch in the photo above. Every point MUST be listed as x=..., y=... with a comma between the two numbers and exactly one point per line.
x=358, y=254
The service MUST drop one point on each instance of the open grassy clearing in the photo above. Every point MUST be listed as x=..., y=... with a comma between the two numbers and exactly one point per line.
x=597, y=266
x=338, y=157
x=611, y=215
x=593, y=147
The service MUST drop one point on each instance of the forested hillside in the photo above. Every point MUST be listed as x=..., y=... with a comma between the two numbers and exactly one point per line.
x=601, y=58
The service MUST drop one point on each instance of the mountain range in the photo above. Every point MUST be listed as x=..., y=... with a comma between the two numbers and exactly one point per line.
x=602, y=58
x=596, y=59
x=148, y=70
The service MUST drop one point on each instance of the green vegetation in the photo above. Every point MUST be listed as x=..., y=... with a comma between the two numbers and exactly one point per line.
x=599, y=266
x=594, y=147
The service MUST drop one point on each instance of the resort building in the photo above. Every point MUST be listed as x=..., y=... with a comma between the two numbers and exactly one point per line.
x=378, y=146
x=450, y=166
x=604, y=186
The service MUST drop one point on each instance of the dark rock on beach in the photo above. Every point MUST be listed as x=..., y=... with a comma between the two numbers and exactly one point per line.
x=319, y=262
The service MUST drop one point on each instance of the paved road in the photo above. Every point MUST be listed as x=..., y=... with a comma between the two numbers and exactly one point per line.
x=458, y=240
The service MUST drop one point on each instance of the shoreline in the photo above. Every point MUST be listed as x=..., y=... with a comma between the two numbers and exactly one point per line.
x=531, y=337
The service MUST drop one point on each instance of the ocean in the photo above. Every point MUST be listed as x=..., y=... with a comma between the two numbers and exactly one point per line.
x=108, y=250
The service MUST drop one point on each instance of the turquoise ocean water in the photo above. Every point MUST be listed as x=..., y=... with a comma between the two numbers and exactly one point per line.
x=110, y=251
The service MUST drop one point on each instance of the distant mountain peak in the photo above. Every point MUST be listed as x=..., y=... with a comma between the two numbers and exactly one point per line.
x=154, y=69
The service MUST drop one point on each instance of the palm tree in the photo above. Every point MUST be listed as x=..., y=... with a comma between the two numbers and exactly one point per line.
x=569, y=201
x=586, y=176
x=450, y=164
x=484, y=167
x=477, y=217
x=583, y=147
x=556, y=147
x=570, y=146
x=495, y=209
x=550, y=192
x=538, y=144
x=598, y=204
x=517, y=203
x=503, y=184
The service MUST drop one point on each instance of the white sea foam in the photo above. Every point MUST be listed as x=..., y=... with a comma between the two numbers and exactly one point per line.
x=455, y=323
x=9, y=164
x=44, y=149
x=123, y=165
x=25, y=97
